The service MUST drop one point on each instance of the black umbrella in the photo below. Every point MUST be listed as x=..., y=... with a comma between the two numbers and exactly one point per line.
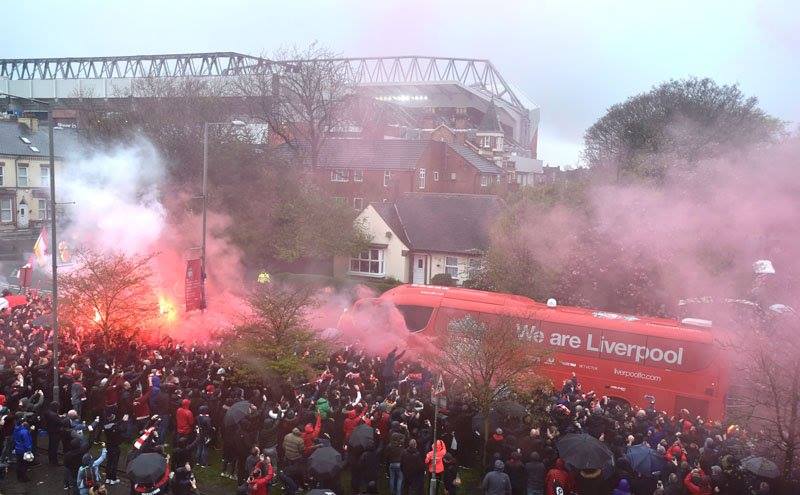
x=761, y=467
x=325, y=462
x=583, y=451
x=147, y=469
x=363, y=437
x=645, y=460
x=236, y=414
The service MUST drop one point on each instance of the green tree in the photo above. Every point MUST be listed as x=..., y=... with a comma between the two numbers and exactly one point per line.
x=276, y=344
x=676, y=124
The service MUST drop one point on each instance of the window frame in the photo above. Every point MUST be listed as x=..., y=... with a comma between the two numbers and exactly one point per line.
x=358, y=175
x=380, y=260
x=45, y=210
x=2, y=174
x=10, y=209
x=42, y=168
x=360, y=206
x=340, y=175
x=451, y=266
x=387, y=177
x=421, y=180
x=340, y=200
x=26, y=167
x=435, y=176
x=484, y=181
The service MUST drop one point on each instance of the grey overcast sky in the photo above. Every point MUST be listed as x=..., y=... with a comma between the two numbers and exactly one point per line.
x=574, y=59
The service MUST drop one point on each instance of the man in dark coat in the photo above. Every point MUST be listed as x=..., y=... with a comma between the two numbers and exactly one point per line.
x=412, y=463
x=55, y=426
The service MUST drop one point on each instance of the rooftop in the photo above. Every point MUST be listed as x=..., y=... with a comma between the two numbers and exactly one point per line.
x=447, y=223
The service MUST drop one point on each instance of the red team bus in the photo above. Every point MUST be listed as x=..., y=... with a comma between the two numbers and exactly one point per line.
x=629, y=358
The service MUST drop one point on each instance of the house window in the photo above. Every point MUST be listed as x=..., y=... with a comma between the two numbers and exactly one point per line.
x=2, y=173
x=45, y=176
x=452, y=176
x=387, y=176
x=436, y=176
x=461, y=110
x=358, y=203
x=339, y=200
x=6, y=210
x=369, y=262
x=358, y=175
x=22, y=175
x=451, y=266
x=44, y=209
x=339, y=175
x=422, y=178
x=484, y=180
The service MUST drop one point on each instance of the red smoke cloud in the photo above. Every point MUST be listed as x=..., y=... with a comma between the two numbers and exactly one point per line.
x=641, y=248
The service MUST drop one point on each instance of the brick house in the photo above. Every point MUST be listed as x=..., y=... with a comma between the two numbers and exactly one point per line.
x=363, y=171
x=421, y=235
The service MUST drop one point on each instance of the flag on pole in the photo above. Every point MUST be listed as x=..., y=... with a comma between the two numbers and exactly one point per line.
x=438, y=396
x=40, y=250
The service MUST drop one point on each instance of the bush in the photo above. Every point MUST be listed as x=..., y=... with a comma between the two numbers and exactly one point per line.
x=443, y=279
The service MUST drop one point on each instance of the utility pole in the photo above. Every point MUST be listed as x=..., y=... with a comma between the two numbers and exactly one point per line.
x=53, y=242
x=54, y=254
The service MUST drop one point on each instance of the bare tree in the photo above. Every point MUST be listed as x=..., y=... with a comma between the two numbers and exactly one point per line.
x=302, y=96
x=766, y=395
x=487, y=360
x=108, y=296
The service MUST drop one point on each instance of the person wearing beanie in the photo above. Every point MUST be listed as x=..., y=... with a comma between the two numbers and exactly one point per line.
x=293, y=446
x=496, y=482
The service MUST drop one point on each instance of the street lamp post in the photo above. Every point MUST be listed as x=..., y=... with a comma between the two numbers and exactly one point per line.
x=53, y=242
x=204, y=196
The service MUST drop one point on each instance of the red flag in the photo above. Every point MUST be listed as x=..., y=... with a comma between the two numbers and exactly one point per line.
x=194, y=285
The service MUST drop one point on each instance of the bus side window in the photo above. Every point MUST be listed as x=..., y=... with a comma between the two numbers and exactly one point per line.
x=416, y=317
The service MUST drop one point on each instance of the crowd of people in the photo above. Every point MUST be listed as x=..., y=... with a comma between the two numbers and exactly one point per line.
x=364, y=418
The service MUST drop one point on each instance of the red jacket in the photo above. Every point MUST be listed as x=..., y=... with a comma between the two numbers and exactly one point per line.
x=440, y=452
x=141, y=406
x=260, y=486
x=351, y=422
x=184, y=419
x=560, y=475
x=703, y=489
x=310, y=434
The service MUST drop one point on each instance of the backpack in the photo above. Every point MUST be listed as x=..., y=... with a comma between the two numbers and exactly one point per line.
x=88, y=477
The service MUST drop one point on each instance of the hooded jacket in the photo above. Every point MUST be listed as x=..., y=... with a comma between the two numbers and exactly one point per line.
x=351, y=421
x=440, y=452
x=323, y=408
x=496, y=482
x=559, y=476
x=310, y=433
x=184, y=419
x=22, y=440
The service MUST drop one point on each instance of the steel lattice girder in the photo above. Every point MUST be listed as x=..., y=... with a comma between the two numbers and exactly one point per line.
x=473, y=73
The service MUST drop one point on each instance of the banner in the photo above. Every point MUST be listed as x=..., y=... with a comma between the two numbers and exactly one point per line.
x=24, y=275
x=40, y=250
x=194, y=285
